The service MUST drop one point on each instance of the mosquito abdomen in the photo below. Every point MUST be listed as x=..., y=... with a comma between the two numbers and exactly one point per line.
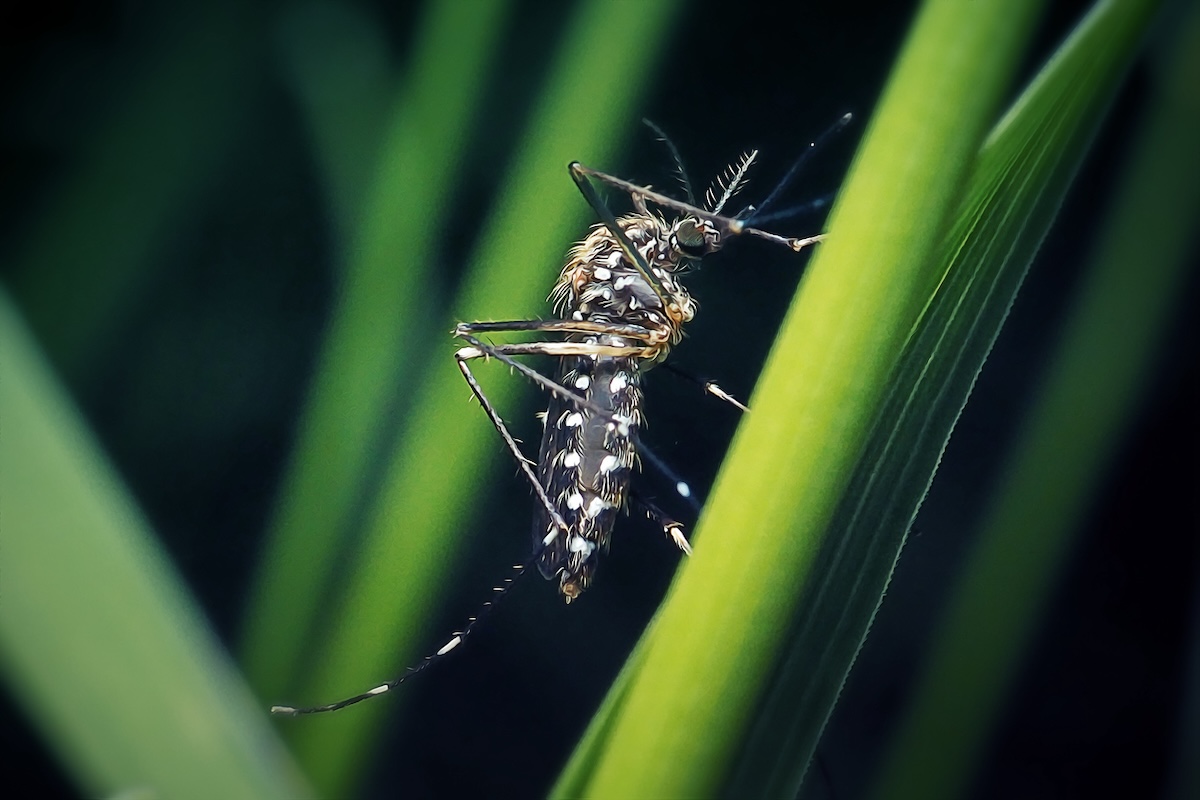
x=585, y=465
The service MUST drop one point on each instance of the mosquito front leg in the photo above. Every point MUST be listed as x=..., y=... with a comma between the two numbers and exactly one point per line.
x=637, y=332
x=579, y=174
x=504, y=353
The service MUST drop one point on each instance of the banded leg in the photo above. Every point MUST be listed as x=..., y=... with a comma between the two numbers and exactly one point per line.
x=457, y=638
x=498, y=592
x=549, y=349
x=505, y=353
x=523, y=463
x=682, y=487
x=556, y=326
x=672, y=528
x=709, y=386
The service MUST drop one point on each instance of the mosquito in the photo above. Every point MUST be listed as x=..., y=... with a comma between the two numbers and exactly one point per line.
x=621, y=307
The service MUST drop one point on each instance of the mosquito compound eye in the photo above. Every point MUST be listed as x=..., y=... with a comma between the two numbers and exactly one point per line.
x=690, y=239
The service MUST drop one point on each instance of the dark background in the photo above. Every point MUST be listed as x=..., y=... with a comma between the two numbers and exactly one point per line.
x=197, y=394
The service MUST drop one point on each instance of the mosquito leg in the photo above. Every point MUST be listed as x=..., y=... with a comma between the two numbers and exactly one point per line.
x=498, y=592
x=480, y=349
x=671, y=527
x=563, y=349
x=522, y=462
x=579, y=174
x=710, y=387
x=556, y=326
x=682, y=487
x=457, y=638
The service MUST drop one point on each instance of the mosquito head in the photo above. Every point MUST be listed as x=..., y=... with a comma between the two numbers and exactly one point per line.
x=694, y=238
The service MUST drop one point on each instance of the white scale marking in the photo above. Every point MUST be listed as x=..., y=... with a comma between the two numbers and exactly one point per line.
x=602, y=274
x=608, y=464
x=575, y=501
x=618, y=383
x=583, y=382
x=596, y=506
x=446, y=648
x=572, y=459
x=573, y=420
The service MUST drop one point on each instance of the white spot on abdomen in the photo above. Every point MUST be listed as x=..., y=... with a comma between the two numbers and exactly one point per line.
x=596, y=506
x=578, y=544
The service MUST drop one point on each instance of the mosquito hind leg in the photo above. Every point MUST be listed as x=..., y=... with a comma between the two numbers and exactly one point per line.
x=709, y=386
x=671, y=527
x=560, y=526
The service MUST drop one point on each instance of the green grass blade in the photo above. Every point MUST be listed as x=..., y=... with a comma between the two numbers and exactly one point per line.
x=380, y=314
x=99, y=642
x=153, y=160
x=1091, y=386
x=420, y=520
x=1018, y=184
x=683, y=722
x=335, y=59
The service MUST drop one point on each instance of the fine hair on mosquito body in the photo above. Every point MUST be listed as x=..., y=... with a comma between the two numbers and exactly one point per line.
x=620, y=306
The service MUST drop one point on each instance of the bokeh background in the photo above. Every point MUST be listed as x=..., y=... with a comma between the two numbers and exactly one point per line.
x=175, y=231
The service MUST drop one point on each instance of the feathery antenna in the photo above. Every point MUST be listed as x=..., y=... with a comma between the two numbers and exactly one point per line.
x=729, y=182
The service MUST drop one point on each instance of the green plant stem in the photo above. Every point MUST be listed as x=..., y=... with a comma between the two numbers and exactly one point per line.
x=1091, y=387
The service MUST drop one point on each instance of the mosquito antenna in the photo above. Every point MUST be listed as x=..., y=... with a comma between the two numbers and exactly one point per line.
x=730, y=182
x=456, y=639
x=820, y=141
x=680, y=170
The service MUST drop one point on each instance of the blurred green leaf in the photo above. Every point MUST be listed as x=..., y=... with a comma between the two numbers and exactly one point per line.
x=336, y=60
x=139, y=177
x=1090, y=387
x=99, y=641
x=416, y=526
x=381, y=313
